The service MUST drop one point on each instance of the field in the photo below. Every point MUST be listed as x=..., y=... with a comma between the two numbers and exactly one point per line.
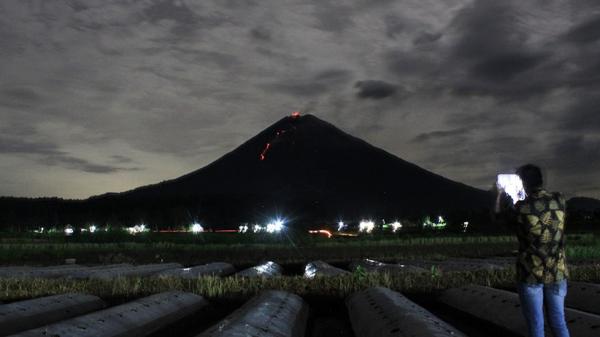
x=441, y=260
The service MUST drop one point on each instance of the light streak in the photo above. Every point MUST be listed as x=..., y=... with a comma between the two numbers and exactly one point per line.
x=263, y=154
x=321, y=231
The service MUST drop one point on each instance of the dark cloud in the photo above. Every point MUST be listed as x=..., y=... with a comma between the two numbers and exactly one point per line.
x=83, y=165
x=333, y=16
x=575, y=156
x=584, y=115
x=260, y=33
x=77, y=5
x=585, y=32
x=50, y=154
x=187, y=21
x=19, y=97
x=394, y=26
x=440, y=134
x=500, y=68
x=173, y=10
x=426, y=38
x=318, y=84
x=372, y=89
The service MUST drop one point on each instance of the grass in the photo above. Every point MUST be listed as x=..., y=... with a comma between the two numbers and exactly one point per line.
x=236, y=288
x=579, y=248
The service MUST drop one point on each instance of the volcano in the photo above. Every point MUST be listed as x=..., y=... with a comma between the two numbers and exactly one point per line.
x=306, y=168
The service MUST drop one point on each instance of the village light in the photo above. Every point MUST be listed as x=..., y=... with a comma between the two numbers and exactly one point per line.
x=92, y=229
x=136, y=229
x=366, y=226
x=340, y=226
x=275, y=226
x=197, y=228
x=396, y=226
x=69, y=230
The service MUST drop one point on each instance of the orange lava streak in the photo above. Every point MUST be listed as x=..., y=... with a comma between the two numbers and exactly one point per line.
x=264, y=151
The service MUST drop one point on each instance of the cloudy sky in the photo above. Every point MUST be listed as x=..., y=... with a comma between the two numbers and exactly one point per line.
x=107, y=95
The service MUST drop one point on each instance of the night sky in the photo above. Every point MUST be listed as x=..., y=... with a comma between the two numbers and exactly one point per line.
x=99, y=96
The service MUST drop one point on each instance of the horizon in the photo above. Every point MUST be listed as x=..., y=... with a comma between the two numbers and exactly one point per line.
x=105, y=98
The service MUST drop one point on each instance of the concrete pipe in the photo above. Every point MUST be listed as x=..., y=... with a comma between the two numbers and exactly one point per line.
x=320, y=268
x=141, y=270
x=212, y=269
x=267, y=269
x=269, y=314
x=584, y=297
x=381, y=312
x=138, y=318
x=503, y=308
x=23, y=315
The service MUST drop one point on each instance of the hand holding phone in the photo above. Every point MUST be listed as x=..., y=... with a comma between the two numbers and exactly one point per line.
x=512, y=185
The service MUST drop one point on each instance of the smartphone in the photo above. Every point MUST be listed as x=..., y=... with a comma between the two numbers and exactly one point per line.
x=512, y=185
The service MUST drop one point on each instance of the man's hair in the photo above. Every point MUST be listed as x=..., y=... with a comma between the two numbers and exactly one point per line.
x=531, y=176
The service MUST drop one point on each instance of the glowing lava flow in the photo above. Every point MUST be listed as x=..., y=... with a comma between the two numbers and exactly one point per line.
x=263, y=154
x=264, y=151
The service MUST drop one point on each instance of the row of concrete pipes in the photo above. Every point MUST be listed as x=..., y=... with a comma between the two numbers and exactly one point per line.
x=374, y=312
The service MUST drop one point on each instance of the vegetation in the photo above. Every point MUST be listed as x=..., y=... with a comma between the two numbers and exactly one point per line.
x=284, y=250
x=236, y=288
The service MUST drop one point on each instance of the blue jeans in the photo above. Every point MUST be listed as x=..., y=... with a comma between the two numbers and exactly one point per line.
x=533, y=297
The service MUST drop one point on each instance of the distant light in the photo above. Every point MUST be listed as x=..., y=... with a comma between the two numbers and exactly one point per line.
x=366, y=226
x=243, y=228
x=396, y=226
x=321, y=231
x=440, y=224
x=69, y=231
x=92, y=229
x=295, y=114
x=275, y=226
x=136, y=229
x=465, y=226
x=197, y=228
x=340, y=226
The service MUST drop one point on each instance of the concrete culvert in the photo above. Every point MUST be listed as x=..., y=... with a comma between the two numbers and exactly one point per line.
x=141, y=270
x=320, y=268
x=503, y=308
x=270, y=314
x=108, y=268
x=24, y=315
x=138, y=318
x=41, y=272
x=381, y=312
x=267, y=269
x=212, y=269
x=373, y=266
x=584, y=297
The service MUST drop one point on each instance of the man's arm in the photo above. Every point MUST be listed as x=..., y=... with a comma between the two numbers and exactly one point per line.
x=504, y=213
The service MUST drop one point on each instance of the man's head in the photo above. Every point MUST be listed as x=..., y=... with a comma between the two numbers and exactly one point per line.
x=531, y=176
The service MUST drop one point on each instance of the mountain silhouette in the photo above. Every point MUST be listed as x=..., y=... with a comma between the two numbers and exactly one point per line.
x=303, y=167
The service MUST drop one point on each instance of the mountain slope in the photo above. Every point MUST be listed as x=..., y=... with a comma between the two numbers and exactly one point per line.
x=304, y=165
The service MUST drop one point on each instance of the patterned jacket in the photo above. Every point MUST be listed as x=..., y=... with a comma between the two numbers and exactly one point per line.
x=540, y=231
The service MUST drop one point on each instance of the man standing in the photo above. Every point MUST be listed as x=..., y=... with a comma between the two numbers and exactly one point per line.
x=541, y=265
